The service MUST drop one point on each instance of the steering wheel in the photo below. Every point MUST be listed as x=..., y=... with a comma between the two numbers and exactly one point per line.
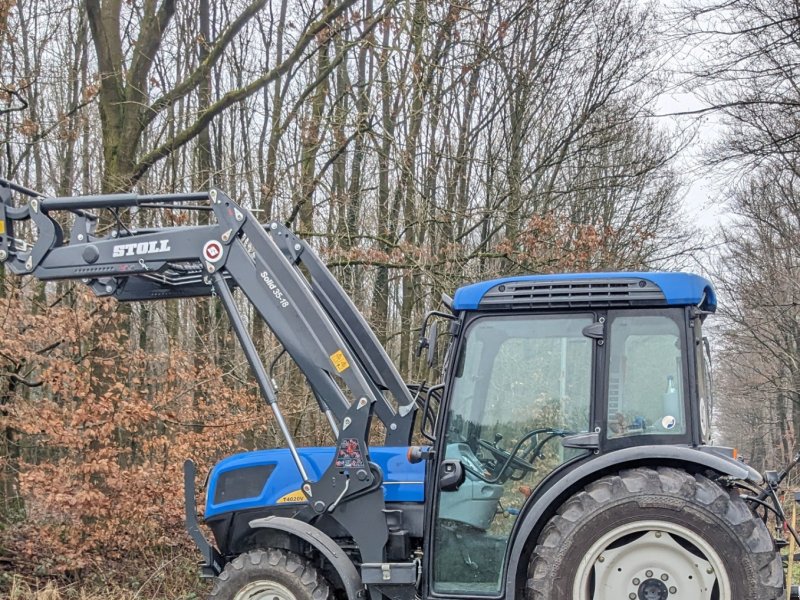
x=506, y=459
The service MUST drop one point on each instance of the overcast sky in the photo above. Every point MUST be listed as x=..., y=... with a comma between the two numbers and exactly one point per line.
x=703, y=197
x=703, y=200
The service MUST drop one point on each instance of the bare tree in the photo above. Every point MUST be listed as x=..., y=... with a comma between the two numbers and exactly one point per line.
x=125, y=64
x=748, y=75
x=419, y=145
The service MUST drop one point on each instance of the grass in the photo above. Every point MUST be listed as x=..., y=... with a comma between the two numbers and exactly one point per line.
x=20, y=590
x=23, y=590
x=155, y=578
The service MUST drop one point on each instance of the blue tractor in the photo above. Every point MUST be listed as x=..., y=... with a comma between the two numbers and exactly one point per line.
x=565, y=454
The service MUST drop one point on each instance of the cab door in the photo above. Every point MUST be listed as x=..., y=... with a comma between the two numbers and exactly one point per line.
x=519, y=385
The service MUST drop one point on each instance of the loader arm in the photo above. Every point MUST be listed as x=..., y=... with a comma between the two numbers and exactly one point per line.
x=287, y=284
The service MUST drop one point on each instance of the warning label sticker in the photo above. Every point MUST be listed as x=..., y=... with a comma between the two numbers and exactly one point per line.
x=212, y=251
x=349, y=455
x=339, y=361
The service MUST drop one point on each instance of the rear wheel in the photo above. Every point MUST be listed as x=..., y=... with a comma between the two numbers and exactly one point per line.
x=648, y=534
x=270, y=575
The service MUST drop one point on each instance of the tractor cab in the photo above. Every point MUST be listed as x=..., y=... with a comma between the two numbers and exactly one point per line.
x=547, y=372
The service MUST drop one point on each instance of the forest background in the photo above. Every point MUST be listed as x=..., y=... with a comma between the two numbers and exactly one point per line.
x=419, y=145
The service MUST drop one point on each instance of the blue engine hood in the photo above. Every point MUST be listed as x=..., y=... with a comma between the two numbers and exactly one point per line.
x=269, y=477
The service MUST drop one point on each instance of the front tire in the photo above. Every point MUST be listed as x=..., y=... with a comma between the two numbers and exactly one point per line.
x=659, y=534
x=270, y=574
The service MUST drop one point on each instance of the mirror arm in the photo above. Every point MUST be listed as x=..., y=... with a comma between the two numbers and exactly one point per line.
x=423, y=338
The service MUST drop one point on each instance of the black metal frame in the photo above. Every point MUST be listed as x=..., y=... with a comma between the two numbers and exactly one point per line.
x=688, y=382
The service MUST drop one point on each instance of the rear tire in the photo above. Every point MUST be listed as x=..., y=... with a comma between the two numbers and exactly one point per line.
x=655, y=533
x=270, y=575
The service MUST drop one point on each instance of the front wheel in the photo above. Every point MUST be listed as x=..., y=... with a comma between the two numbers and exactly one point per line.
x=655, y=534
x=270, y=575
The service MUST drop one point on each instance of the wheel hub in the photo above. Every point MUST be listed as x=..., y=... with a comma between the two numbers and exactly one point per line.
x=264, y=590
x=652, y=589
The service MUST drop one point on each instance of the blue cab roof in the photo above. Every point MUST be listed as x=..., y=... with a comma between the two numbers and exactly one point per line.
x=678, y=289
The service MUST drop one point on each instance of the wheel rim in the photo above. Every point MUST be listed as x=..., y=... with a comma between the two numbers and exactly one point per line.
x=651, y=560
x=264, y=590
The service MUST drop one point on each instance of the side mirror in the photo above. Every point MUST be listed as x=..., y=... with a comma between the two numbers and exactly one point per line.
x=432, y=337
x=452, y=475
x=427, y=339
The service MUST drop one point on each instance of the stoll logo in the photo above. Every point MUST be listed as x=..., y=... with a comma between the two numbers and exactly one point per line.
x=141, y=248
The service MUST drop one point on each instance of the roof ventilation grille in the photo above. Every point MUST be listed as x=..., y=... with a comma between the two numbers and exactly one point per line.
x=577, y=293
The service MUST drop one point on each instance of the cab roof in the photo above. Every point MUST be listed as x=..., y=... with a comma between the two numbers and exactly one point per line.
x=575, y=290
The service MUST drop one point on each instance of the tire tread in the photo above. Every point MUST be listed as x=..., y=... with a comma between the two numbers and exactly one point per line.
x=551, y=550
x=258, y=563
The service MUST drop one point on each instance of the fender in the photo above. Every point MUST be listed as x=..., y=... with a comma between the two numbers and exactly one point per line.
x=324, y=544
x=542, y=507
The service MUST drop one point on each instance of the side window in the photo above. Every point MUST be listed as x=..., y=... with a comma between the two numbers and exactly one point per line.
x=704, y=381
x=645, y=378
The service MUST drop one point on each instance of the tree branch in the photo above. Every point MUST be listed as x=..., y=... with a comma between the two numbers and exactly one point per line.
x=17, y=379
x=146, y=46
x=43, y=134
x=205, y=117
x=13, y=93
x=195, y=77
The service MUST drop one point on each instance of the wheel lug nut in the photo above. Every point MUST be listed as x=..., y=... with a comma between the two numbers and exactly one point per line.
x=664, y=577
x=632, y=596
x=601, y=559
x=673, y=590
x=658, y=534
x=636, y=581
x=709, y=570
x=648, y=573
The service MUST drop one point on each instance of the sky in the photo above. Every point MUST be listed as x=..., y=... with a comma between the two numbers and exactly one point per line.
x=702, y=200
x=702, y=197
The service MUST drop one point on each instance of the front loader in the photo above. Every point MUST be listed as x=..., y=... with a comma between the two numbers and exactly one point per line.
x=567, y=452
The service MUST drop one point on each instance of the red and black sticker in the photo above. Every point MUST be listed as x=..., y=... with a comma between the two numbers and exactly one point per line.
x=212, y=251
x=350, y=455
